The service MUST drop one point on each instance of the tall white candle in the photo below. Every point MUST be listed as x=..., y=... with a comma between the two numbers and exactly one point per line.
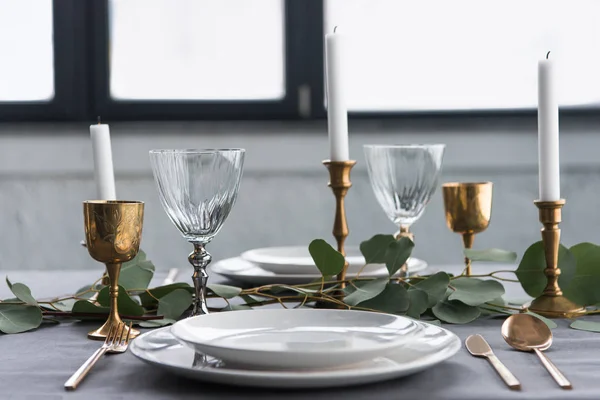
x=337, y=112
x=103, y=163
x=548, y=142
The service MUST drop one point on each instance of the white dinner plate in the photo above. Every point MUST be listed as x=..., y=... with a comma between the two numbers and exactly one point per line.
x=241, y=270
x=296, y=338
x=160, y=349
x=296, y=260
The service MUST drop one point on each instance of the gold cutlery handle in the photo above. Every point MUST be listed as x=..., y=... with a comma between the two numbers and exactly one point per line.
x=81, y=373
x=562, y=381
x=507, y=376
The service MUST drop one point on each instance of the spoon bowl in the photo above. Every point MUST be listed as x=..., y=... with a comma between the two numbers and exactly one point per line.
x=525, y=332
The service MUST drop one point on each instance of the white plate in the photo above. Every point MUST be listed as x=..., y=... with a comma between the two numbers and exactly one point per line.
x=159, y=348
x=243, y=271
x=296, y=339
x=296, y=260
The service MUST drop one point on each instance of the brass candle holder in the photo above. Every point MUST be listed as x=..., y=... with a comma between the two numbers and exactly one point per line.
x=551, y=303
x=339, y=182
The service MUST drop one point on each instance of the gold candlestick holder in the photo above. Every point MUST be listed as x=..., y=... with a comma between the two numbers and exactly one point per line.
x=551, y=303
x=339, y=182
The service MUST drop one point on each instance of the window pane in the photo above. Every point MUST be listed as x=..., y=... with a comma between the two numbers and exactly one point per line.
x=197, y=49
x=466, y=54
x=27, y=65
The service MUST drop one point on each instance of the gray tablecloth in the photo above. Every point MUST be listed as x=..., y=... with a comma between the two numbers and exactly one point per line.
x=34, y=365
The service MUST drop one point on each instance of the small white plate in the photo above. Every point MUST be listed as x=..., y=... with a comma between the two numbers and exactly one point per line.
x=297, y=260
x=241, y=270
x=296, y=339
x=160, y=349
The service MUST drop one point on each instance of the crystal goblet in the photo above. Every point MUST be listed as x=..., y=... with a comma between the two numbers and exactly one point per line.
x=404, y=177
x=113, y=231
x=468, y=207
x=197, y=189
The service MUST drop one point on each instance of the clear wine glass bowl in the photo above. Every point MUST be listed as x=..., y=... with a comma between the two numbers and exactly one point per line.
x=197, y=189
x=404, y=177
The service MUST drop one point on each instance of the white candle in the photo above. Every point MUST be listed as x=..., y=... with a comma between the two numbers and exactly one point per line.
x=548, y=143
x=103, y=163
x=337, y=112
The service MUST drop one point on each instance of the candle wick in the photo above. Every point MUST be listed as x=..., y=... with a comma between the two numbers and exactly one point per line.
x=334, y=29
x=547, y=54
x=99, y=120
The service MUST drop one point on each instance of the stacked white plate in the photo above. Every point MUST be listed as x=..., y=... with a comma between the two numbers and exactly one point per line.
x=294, y=265
x=296, y=348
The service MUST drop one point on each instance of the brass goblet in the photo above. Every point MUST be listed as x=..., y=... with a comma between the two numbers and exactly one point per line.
x=113, y=231
x=468, y=210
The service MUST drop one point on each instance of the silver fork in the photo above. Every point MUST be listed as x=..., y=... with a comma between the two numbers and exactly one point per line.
x=116, y=341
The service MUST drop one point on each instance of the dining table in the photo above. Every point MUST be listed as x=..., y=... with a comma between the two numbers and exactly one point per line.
x=34, y=365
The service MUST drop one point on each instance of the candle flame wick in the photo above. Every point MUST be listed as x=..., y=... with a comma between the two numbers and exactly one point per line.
x=547, y=54
x=334, y=29
x=99, y=120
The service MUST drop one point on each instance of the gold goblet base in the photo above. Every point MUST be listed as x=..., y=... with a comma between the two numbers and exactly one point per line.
x=102, y=332
x=555, y=307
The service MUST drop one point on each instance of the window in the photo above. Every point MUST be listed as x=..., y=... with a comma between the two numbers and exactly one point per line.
x=263, y=59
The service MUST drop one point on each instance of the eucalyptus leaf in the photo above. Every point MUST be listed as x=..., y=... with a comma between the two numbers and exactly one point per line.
x=251, y=300
x=491, y=255
x=374, y=250
x=455, y=312
x=86, y=307
x=435, y=322
x=583, y=288
x=435, y=286
x=397, y=253
x=328, y=260
x=473, y=291
x=590, y=326
x=157, y=323
x=225, y=291
x=393, y=299
x=551, y=324
x=531, y=269
x=21, y=292
x=127, y=306
x=236, y=307
x=418, y=303
x=65, y=305
x=137, y=273
x=149, y=297
x=366, y=291
x=172, y=305
x=17, y=318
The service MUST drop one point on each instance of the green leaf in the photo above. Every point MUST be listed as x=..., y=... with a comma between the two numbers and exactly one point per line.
x=583, y=288
x=149, y=299
x=551, y=324
x=21, y=292
x=365, y=291
x=455, y=312
x=491, y=255
x=86, y=307
x=374, y=250
x=473, y=291
x=418, y=303
x=137, y=273
x=65, y=305
x=127, y=306
x=326, y=258
x=157, y=323
x=393, y=299
x=531, y=269
x=225, y=291
x=590, y=326
x=19, y=318
x=251, y=300
x=435, y=286
x=397, y=253
x=174, y=304
x=236, y=307
x=83, y=292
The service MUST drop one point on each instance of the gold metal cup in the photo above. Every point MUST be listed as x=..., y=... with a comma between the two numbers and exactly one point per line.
x=551, y=303
x=468, y=210
x=113, y=231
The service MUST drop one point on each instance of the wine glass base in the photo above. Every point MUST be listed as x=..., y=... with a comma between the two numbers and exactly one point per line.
x=102, y=332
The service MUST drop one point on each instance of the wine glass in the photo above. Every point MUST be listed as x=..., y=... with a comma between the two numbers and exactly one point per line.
x=468, y=207
x=197, y=189
x=404, y=177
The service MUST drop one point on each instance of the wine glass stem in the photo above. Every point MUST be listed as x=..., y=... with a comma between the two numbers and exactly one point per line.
x=114, y=270
x=199, y=258
x=468, y=239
